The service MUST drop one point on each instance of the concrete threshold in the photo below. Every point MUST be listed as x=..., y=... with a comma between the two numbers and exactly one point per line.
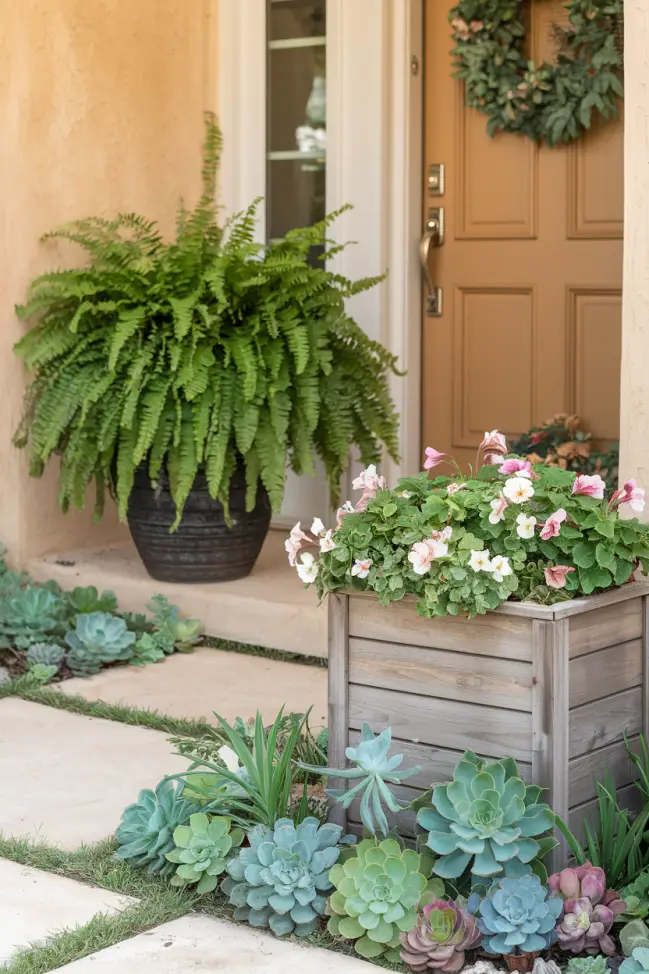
x=269, y=608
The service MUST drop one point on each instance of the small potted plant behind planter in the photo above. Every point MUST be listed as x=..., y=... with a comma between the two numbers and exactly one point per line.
x=185, y=377
x=489, y=612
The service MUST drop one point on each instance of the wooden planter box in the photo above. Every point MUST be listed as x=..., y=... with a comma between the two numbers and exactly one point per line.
x=556, y=687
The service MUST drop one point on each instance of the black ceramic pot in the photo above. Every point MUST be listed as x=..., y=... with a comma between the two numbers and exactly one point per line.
x=203, y=548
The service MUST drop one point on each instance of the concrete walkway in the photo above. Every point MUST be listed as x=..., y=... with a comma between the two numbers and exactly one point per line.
x=67, y=778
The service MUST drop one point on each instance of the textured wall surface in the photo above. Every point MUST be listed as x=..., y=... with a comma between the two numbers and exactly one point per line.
x=634, y=414
x=100, y=110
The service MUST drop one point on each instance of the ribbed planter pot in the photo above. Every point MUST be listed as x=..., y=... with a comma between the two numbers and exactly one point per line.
x=203, y=548
x=556, y=687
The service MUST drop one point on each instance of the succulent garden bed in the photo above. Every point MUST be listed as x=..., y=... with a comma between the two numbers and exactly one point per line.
x=48, y=634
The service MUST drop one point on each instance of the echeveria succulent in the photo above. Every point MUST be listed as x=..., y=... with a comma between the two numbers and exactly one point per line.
x=97, y=638
x=46, y=654
x=444, y=931
x=636, y=897
x=145, y=833
x=589, y=909
x=40, y=673
x=591, y=964
x=279, y=880
x=374, y=769
x=377, y=893
x=202, y=850
x=633, y=934
x=638, y=963
x=518, y=915
x=487, y=816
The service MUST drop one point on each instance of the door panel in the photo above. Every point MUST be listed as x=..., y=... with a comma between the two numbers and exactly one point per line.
x=531, y=266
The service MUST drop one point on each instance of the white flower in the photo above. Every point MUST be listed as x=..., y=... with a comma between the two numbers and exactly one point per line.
x=500, y=567
x=480, y=561
x=498, y=508
x=361, y=567
x=293, y=543
x=229, y=758
x=307, y=569
x=444, y=535
x=403, y=493
x=525, y=525
x=423, y=553
x=317, y=527
x=517, y=490
x=327, y=542
x=438, y=548
x=369, y=480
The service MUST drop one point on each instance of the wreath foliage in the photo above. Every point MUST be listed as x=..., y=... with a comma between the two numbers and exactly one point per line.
x=549, y=102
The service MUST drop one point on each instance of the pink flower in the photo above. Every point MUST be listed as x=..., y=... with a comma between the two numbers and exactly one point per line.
x=369, y=480
x=536, y=438
x=522, y=468
x=498, y=508
x=494, y=441
x=361, y=567
x=493, y=459
x=552, y=526
x=433, y=458
x=423, y=553
x=589, y=486
x=555, y=575
x=633, y=495
x=444, y=535
x=453, y=488
x=294, y=543
x=327, y=542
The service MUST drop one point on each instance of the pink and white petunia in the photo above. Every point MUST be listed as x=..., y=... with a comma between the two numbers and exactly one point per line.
x=444, y=535
x=521, y=468
x=555, y=575
x=347, y=508
x=589, y=486
x=517, y=490
x=317, y=528
x=633, y=495
x=369, y=482
x=552, y=526
x=294, y=543
x=494, y=442
x=327, y=542
x=500, y=567
x=361, y=567
x=423, y=554
x=480, y=561
x=307, y=568
x=453, y=488
x=525, y=524
x=433, y=458
x=498, y=508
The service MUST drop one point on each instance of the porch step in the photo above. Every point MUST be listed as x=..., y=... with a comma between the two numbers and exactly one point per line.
x=269, y=608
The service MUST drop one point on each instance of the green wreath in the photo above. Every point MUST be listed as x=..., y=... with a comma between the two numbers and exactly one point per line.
x=548, y=102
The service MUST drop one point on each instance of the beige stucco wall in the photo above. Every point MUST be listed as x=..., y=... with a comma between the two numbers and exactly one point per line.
x=101, y=106
x=634, y=411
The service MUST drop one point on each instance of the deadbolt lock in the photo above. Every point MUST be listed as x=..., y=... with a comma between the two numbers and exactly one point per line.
x=436, y=179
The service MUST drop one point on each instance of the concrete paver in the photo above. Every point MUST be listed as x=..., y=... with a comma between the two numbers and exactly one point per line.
x=213, y=947
x=67, y=778
x=196, y=684
x=35, y=904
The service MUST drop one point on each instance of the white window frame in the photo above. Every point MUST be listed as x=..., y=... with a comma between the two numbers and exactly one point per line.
x=374, y=160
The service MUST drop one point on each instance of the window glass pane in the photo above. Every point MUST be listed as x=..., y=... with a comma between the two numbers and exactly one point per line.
x=296, y=116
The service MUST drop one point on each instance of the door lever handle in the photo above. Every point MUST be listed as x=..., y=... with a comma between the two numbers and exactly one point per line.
x=433, y=237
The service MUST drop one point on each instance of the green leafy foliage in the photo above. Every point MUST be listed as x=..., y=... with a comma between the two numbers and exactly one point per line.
x=281, y=879
x=203, y=847
x=98, y=638
x=551, y=102
x=486, y=817
x=145, y=833
x=462, y=546
x=375, y=770
x=518, y=915
x=191, y=354
x=378, y=890
x=614, y=841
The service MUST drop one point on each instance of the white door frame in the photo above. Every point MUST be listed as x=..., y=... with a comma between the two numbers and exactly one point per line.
x=374, y=161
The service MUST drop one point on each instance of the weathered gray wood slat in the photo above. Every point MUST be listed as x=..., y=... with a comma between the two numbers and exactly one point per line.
x=600, y=723
x=645, y=670
x=583, y=771
x=441, y=673
x=628, y=797
x=607, y=671
x=338, y=676
x=444, y=723
x=608, y=626
x=436, y=763
x=490, y=635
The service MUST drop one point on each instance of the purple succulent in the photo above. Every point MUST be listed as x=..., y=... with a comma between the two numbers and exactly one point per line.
x=444, y=931
x=589, y=910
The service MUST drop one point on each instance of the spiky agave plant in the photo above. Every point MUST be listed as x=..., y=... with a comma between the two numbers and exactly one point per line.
x=198, y=354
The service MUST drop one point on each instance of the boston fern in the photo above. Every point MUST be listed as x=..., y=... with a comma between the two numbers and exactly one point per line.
x=196, y=353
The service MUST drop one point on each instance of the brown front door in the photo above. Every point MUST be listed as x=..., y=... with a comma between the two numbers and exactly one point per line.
x=530, y=268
